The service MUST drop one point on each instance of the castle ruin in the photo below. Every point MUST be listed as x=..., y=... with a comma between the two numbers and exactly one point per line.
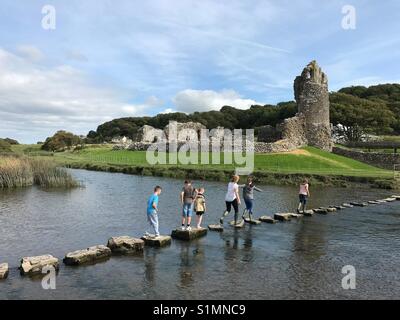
x=310, y=127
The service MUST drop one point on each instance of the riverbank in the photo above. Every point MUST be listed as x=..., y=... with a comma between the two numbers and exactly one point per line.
x=320, y=167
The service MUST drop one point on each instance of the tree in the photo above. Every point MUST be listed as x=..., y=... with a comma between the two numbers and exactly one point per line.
x=353, y=117
x=61, y=141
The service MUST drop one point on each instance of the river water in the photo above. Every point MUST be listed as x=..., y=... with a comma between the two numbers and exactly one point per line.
x=301, y=259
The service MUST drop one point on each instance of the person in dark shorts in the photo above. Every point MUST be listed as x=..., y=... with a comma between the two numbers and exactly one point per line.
x=304, y=193
x=200, y=206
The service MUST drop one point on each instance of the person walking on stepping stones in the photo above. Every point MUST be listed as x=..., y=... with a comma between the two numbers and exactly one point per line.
x=187, y=195
x=152, y=211
x=200, y=206
x=304, y=193
x=232, y=198
x=248, y=196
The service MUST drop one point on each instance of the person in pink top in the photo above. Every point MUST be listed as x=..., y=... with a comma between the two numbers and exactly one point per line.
x=304, y=193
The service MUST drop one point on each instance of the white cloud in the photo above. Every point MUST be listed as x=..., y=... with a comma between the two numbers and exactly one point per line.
x=38, y=100
x=204, y=100
x=30, y=52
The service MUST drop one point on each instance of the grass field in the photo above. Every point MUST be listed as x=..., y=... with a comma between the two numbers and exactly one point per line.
x=321, y=167
x=307, y=160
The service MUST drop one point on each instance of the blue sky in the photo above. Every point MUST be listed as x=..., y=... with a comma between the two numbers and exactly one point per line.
x=110, y=59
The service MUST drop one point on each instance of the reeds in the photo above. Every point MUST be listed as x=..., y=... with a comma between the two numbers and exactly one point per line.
x=21, y=172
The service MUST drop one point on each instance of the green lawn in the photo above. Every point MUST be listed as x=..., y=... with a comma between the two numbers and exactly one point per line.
x=307, y=160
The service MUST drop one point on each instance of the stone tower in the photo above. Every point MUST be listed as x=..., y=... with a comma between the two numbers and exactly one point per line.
x=312, y=97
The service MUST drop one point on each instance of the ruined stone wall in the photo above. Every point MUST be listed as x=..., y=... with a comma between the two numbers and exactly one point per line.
x=311, y=126
x=377, y=159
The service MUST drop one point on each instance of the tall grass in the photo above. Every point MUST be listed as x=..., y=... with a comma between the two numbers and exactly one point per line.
x=22, y=172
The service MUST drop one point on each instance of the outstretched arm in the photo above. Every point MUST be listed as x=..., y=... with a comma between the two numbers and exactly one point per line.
x=257, y=189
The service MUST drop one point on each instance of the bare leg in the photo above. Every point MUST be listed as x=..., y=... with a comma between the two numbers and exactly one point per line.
x=199, y=221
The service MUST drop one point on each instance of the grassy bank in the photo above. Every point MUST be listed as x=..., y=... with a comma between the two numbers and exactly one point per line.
x=22, y=171
x=322, y=168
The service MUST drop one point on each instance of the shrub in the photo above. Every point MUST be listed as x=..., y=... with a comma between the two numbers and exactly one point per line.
x=61, y=141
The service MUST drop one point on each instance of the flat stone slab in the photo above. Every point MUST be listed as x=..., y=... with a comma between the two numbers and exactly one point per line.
x=374, y=202
x=35, y=265
x=3, y=270
x=381, y=201
x=396, y=197
x=296, y=215
x=160, y=241
x=267, y=219
x=321, y=211
x=283, y=216
x=252, y=221
x=331, y=209
x=347, y=205
x=89, y=255
x=239, y=224
x=308, y=213
x=359, y=204
x=215, y=227
x=338, y=207
x=125, y=245
x=189, y=235
x=390, y=199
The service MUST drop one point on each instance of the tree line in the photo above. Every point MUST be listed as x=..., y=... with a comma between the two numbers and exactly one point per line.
x=355, y=111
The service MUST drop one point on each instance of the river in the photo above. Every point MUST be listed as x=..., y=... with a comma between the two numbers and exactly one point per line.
x=301, y=259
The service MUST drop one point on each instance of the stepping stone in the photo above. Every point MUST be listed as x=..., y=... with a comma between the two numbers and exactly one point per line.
x=321, y=211
x=331, y=209
x=381, y=201
x=252, y=221
x=35, y=265
x=308, y=213
x=239, y=224
x=125, y=245
x=337, y=207
x=396, y=197
x=373, y=202
x=347, y=205
x=160, y=241
x=3, y=270
x=283, y=216
x=188, y=235
x=296, y=215
x=359, y=204
x=390, y=199
x=215, y=227
x=89, y=255
x=267, y=219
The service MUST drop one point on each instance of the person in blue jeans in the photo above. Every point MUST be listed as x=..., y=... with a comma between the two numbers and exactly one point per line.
x=152, y=211
x=188, y=194
x=248, y=196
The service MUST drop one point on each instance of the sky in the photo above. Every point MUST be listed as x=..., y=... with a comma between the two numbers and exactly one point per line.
x=112, y=59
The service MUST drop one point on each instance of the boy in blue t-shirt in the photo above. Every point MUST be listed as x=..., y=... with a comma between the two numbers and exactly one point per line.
x=152, y=210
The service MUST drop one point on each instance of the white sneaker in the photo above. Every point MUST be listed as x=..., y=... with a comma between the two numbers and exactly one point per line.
x=183, y=228
x=189, y=228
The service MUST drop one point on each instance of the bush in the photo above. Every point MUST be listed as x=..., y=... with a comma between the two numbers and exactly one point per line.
x=11, y=141
x=5, y=146
x=61, y=141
